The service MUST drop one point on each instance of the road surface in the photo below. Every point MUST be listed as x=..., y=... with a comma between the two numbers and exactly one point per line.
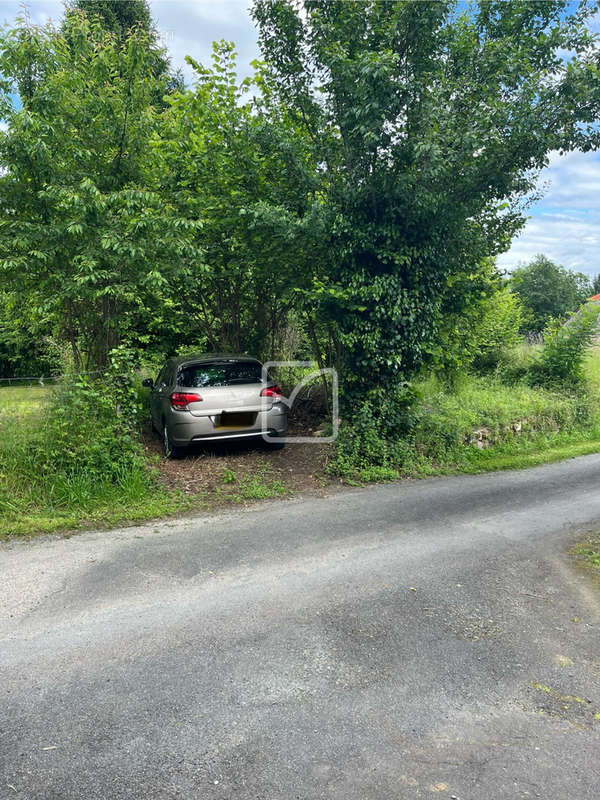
x=409, y=640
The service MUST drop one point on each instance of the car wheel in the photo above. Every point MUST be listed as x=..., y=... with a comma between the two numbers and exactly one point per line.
x=169, y=448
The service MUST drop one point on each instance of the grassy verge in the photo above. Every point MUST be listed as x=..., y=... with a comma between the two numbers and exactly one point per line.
x=35, y=502
x=532, y=452
x=521, y=427
x=69, y=500
x=587, y=553
x=481, y=424
x=485, y=425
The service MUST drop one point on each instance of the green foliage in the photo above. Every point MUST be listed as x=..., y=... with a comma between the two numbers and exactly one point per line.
x=377, y=474
x=361, y=449
x=562, y=358
x=591, y=556
x=81, y=450
x=26, y=347
x=82, y=434
x=497, y=332
x=548, y=292
x=90, y=425
x=228, y=476
x=117, y=16
x=121, y=17
x=379, y=435
x=241, y=171
x=517, y=421
x=428, y=123
x=257, y=486
x=86, y=233
x=477, y=331
x=517, y=362
x=445, y=429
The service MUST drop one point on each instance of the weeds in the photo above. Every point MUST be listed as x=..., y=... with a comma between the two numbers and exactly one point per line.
x=79, y=460
x=519, y=425
x=259, y=486
x=589, y=550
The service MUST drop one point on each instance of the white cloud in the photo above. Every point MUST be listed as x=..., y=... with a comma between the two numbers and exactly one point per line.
x=186, y=27
x=565, y=224
x=40, y=11
x=189, y=28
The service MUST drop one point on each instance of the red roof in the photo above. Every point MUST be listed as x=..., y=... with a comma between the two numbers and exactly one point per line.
x=595, y=298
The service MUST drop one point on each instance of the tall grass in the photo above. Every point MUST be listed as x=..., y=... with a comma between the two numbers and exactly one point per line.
x=67, y=458
x=479, y=423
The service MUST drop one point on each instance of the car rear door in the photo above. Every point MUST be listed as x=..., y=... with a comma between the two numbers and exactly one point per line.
x=156, y=396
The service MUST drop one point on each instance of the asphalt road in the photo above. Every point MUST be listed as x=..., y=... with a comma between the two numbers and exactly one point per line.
x=402, y=641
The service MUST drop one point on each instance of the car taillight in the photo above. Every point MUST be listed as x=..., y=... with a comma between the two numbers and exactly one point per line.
x=271, y=391
x=180, y=400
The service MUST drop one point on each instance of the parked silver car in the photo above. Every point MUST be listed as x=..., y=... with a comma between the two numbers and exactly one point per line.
x=214, y=396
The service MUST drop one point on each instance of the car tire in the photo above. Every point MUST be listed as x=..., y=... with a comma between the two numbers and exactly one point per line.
x=170, y=451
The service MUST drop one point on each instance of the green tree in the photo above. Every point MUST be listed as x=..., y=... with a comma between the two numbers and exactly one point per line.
x=241, y=172
x=121, y=17
x=85, y=233
x=548, y=291
x=428, y=122
x=596, y=285
x=118, y=16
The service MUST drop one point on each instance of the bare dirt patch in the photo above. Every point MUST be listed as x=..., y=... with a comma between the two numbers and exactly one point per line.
x=243, y=471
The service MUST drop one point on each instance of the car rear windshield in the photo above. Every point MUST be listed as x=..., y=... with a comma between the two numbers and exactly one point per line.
x=226, y=373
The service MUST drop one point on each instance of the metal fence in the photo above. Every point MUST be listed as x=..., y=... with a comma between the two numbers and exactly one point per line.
x=42, y=380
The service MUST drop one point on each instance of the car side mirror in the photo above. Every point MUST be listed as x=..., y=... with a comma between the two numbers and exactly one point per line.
x=148, y=382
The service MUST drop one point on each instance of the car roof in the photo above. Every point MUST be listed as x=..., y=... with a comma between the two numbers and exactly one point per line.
x=204, y=358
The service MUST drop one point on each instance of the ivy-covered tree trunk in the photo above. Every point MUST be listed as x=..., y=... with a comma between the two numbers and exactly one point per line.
x=428, y=123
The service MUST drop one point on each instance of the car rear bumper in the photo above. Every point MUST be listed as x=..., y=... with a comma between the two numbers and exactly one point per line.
x=229, y=435
x=185, y=428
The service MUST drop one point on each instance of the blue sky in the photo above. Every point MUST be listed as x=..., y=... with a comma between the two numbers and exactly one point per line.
x=564, y=225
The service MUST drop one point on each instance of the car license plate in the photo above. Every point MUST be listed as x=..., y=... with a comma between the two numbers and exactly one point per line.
x=233, y=421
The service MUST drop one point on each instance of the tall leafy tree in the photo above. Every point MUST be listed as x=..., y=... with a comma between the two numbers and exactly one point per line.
x=548, y=291
x=121, y=17
x=243, y=173
x=84, y=229
x=118, y=16
x=428, y=122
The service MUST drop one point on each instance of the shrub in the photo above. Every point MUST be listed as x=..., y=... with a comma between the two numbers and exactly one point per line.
x=84, y=448
x=87, y=430
x=496, y=332
x=377, y=436
x=560, y=363
x=480, y=335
